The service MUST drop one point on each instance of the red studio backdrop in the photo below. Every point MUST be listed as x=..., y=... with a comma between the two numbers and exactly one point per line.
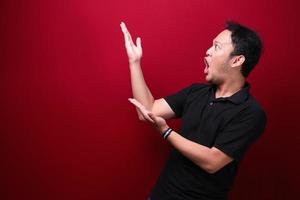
x=67, y=128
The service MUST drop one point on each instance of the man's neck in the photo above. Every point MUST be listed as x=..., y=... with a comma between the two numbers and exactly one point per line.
x=229, y=88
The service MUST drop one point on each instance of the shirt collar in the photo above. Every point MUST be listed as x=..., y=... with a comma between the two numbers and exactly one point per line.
x=237, y=98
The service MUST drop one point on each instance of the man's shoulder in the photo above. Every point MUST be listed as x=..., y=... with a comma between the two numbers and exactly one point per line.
x=254, y=108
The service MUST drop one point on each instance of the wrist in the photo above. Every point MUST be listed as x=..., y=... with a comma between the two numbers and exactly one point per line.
x=134, y=63
x=162, y=130
x=166, y=133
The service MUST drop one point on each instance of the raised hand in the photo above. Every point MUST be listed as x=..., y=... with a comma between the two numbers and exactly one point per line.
x=134, y=52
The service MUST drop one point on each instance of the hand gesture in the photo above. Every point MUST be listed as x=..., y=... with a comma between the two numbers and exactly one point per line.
x=158, y=122
x=134, y=52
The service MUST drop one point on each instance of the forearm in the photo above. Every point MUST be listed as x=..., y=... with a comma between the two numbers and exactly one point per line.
x=139, y=87
x=197, y=153
x=209, y=159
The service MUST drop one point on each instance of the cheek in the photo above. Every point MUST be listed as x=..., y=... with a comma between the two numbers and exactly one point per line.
x=219, y=65
x=220, y=58
x=216, y=61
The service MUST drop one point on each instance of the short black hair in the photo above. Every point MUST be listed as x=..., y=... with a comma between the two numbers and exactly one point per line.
x=246, y=42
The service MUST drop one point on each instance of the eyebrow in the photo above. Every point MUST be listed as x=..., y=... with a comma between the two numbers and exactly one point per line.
x=215, y=41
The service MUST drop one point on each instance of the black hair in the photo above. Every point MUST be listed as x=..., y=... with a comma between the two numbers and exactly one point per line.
x=246, y=42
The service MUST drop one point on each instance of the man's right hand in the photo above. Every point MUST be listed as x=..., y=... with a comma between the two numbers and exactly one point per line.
x=140, y=89
x=134, y=52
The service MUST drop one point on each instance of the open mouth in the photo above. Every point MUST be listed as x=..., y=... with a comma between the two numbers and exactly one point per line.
x=206, y=66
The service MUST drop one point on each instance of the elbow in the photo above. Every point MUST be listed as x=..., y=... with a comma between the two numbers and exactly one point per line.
x=216, y=161
x=210, y=168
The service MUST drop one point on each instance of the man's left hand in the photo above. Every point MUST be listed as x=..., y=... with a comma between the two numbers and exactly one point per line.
x=158, y=122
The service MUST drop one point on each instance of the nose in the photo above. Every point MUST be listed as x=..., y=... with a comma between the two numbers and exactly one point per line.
x=208, y=52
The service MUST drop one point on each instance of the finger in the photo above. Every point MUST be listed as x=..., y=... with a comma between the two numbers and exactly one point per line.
x=139, y=43
x=127, y=36
x=136, y=103
x=145, y=113
x=124, y=29
x=142, y=109
x=152, y=116
x=146, y=116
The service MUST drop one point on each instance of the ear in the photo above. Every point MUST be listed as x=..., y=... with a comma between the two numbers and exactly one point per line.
x=237, y=61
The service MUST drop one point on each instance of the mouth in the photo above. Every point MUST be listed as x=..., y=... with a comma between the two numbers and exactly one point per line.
x=206, y=66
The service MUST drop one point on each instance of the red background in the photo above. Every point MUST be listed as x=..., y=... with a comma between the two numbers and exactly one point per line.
x=67, y=129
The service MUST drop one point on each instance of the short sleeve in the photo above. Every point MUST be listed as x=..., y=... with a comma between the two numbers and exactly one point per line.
x=177, y=100
x=241, y=133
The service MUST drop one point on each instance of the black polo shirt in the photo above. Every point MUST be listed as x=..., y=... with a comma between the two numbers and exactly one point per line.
x=230, y=124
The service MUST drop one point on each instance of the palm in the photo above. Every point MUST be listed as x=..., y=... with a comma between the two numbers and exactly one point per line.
x=134, y=52
x=157, y=121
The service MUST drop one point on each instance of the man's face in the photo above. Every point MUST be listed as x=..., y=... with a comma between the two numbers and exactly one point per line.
x=218, y=58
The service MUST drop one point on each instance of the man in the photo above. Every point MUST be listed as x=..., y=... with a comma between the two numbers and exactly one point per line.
x=220, y=120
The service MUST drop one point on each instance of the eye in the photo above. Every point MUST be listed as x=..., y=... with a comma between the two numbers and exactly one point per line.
x=216, y=46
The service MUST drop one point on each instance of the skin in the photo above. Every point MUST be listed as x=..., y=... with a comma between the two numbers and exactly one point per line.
x=223, y=70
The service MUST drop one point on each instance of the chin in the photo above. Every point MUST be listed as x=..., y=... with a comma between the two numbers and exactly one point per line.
x=207, y=78
x=211, y=80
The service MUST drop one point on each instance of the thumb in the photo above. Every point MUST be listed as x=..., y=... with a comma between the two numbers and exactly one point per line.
x=139, y=42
